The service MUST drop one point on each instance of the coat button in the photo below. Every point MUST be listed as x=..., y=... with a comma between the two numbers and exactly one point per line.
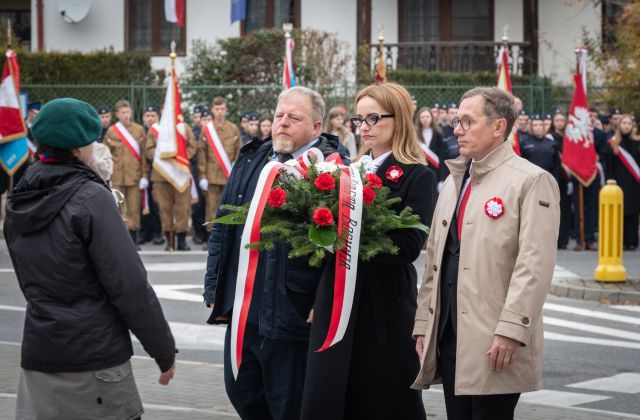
x=430, y=310
x=444, y=223
x=240, y=196
x=525, y=321
x=248, y=160
x=435, y=267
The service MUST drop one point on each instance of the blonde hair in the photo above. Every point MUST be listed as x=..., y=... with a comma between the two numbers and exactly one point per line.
x=122, y=103
x=617, y=137
x=328, y=128
x=396, y=100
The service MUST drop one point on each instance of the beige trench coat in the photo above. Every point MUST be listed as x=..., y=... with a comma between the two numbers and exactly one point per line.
x=506, y=265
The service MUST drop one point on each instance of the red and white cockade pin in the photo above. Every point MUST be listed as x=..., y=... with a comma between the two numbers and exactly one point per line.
x=394, y=173
x=494, y=208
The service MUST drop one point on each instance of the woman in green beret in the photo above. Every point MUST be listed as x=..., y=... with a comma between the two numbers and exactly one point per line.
x=83, y=280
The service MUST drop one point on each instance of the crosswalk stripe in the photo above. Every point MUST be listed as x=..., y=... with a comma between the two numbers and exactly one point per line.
x=625, y=383
x=590, y=328
x=560, y=398
x=632, y=308
x=590, y=340
x=592, y=314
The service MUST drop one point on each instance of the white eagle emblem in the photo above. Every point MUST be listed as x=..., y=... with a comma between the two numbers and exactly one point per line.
x=579, y=128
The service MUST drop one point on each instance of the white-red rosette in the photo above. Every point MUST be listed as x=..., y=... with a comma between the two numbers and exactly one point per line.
x=494, y=208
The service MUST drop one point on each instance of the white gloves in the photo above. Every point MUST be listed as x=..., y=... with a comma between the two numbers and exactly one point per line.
x=569, y=188
x=440, y=186
x=144, y=183
x=204, y=185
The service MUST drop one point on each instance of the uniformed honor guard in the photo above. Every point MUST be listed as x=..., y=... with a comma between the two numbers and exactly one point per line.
x=218, y=148
x=447, y=128
x=104, y=112
x=126, y=141
x=174, y=206
x=540, y=148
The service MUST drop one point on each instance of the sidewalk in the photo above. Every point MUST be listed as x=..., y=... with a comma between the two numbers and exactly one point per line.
x=197, y=393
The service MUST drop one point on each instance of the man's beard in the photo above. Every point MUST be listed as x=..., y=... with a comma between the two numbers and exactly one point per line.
x=281, y=145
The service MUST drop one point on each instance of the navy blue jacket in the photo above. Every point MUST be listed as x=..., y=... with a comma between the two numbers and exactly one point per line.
x=285, y=288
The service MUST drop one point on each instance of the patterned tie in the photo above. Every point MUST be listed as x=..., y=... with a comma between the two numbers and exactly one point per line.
x=463, y=206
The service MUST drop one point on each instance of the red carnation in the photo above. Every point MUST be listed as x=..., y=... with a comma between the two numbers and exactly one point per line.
x=368, y=195
x=277, y=197
x=325, y=182
x=322, y=217
x=374, y=181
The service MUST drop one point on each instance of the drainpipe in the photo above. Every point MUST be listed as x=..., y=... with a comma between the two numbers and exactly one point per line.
x=40, y=26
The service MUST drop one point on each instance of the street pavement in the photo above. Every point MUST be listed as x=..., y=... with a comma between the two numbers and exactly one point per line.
x=591, y=368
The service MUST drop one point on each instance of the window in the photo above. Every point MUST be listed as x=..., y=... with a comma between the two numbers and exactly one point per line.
x=147, y=29
x=262, y=14
x=20, y=24
x=445, y=20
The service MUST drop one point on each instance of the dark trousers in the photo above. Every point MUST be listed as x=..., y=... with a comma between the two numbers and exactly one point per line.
x=469, y=407
x=271, y=377
x=566, y=215
x=590, y=199
x=630, y=232
x=150, y=227
x=197, y=209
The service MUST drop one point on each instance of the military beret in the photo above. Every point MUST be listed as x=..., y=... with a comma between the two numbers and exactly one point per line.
x=536, y=117
x=246, y=115
x=523, y=112
x=66, y=123
x=151, y=108
x=413, y=98
x=604, y=119
x=254, y=117
x=197, y=109
x=104, y=110
x=34, y=106
x=452, y=106
x=615, y=111
x=205, y=113
x=547, y=117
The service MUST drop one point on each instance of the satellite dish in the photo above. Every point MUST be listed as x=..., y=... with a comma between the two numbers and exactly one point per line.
x=73, y=11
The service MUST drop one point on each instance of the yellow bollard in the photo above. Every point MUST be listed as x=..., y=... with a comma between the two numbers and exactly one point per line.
x=610, y=268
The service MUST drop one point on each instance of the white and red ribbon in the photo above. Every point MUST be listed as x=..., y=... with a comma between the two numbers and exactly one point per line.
x=155, y=129
x=127, y=139
x=346, y=271
x=218, y=149
x=431, y=156
x=629, y=162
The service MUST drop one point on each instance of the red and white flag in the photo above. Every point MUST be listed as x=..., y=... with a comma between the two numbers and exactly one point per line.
x=288, y=77
x=630, y=163
x=174, y=11
x=579, y=155
x=12, y=124
x=171, y=159
x=504, y=83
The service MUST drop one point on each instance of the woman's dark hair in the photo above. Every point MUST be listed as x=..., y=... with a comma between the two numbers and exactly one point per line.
x=64, y=156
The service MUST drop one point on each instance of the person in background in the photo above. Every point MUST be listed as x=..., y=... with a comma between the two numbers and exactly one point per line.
x=615, y=115
x=150, y=116
x=447, y=128
x=335, y=125
x=86, y=287
x=264, y=127
x=105, y=118
x=540, y=148
x=546, y=122
x=244, y=125
x=625, y=138
x=150, y=226
x=252, y=126
x=435, y=112
x=33, y=108
x=198, y=209
x=196, y=115
x=558, y=122
x=522, y=124
x=429, y=135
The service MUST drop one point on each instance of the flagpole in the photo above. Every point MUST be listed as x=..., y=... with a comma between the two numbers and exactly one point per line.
x=581, y=245
x=172, y=242
x=9, y=42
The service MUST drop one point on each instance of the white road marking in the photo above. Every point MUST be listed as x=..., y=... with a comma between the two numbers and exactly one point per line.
x=632, y=308
x=559, y=398
x=173, y=291
x=196, y=336
x=625, y=383
x=592, y=314
x=175, y=254
x=590, y=340
x=590, y=328
x=181, y=409
x=563, y=273
x=157, y=267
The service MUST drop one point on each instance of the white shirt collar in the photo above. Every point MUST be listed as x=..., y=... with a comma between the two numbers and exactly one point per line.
x=303, y=149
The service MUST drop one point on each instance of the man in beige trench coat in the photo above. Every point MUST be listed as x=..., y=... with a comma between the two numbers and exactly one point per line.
x=478, y=326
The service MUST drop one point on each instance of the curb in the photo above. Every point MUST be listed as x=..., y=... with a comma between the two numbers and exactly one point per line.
x=588, y=289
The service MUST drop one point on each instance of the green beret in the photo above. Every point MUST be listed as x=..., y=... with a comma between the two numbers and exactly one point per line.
x=66, y=123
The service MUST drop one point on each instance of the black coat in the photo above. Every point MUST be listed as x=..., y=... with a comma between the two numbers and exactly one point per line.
x=83, y=280
x=368, y=374
x=615, y=169
x=284, y=288
x=438, y=146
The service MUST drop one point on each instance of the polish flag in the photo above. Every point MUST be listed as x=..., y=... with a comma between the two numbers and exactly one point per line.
x=12, y=125
x=504, y=83
x=288, y=77
x=174, y=11
x=171, y=159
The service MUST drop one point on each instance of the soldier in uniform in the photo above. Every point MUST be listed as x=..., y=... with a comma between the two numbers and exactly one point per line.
x=196, y=117
x=104, y=112
x=197, y=209
x=522, y=124
x=540, y=148
x=175, y=206
x=126, y=141
x=447, y=129
x=450, y=150
x=615, y=115
x=151, y=230
x=212, y=178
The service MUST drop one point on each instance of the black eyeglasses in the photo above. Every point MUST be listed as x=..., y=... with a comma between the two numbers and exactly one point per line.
x=465, y=122
x=370, y=119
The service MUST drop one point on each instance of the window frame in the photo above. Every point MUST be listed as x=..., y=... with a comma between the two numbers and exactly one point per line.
x=157, y=13
x=270, y=6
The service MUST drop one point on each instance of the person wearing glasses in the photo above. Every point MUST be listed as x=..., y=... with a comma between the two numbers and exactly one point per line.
x=368, y=374
x=490, y=260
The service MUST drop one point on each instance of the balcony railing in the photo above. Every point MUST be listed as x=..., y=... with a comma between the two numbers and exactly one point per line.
x=458, y=56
